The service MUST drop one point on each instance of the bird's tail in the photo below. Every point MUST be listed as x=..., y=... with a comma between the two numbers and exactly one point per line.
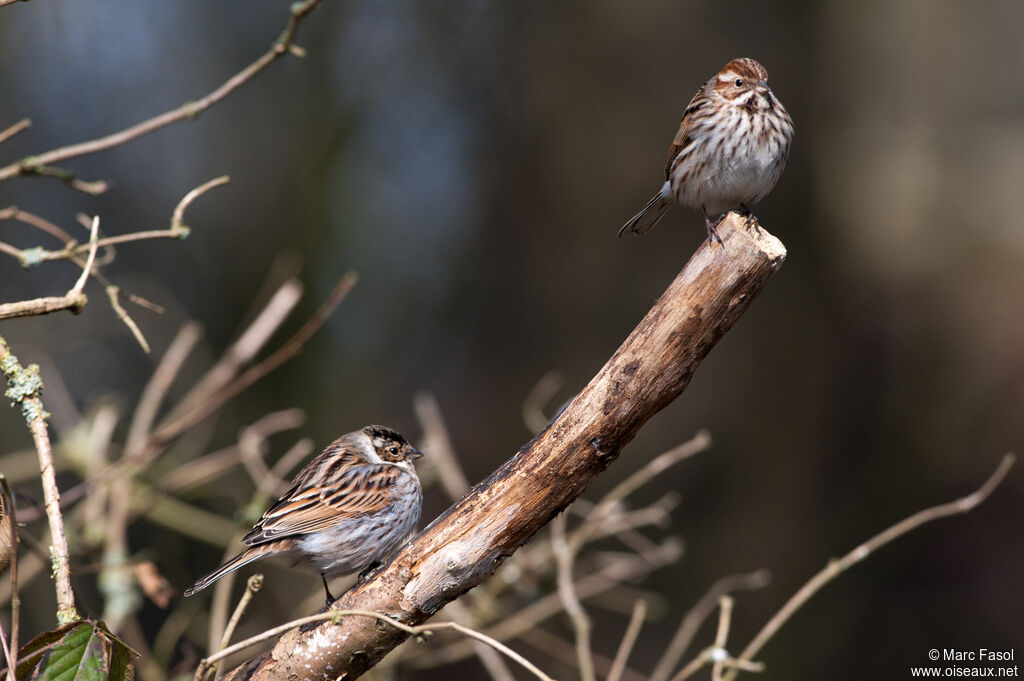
x=244, y=558
x=652, y=212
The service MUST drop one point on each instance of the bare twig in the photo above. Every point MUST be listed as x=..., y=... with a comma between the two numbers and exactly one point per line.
x=700, y=442
x=24, y=386
x=73, y=300
x=93, y=244
x=177, y=226
x=34, y=256
x=174, y=426
x=177, y=230
x=243, y=350
x=565, y=557
x=112, y=295
x=15, y=213
x=118, y=584
x=290, y=459
x=837, y=567
x=716, y=655
x=201, y=406
x=692, y=620
x=158, y=385
x=251, y=442
x=7, y=654
x=41, y=306
x=41, y=163
x=602, y=580
x=11, y=646
x=533, y=406
x=24, y=122
x=552, y=644
x=628, y=640
x=438, y=446
x=337, y=615
x=252, y=587
x=198, y=471
x=488, y=656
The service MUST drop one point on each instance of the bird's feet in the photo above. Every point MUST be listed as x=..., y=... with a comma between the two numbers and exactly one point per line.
x=712, y=233
x=749, y=219
x=710, y=226
x=327, y=590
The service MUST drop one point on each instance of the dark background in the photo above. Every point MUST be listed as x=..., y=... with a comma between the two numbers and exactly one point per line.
x=473, y=161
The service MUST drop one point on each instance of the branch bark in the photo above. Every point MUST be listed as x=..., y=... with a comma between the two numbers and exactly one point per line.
x=465, y=545
x=24, y=386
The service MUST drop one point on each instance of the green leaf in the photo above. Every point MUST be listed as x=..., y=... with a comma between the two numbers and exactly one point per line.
x=78, y=651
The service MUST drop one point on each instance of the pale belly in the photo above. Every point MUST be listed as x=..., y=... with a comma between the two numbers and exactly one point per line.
x=356, y=544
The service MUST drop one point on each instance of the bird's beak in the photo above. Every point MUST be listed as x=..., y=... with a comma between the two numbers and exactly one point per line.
x=415, y=454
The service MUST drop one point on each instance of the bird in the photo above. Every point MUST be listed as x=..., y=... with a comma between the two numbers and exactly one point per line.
x=729, y=152
x=351, y=507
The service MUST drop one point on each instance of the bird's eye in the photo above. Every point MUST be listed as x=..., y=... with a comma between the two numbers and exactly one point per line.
x=739, y=82
x=393, y=450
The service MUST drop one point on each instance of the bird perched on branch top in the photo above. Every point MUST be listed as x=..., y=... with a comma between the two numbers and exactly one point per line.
x=350, y=508
x=731, y=147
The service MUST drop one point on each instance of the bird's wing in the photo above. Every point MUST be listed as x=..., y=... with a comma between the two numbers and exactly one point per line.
x=682, y=138
x=340, y=489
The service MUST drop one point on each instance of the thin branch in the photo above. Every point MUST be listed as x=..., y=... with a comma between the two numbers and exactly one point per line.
x=251, y=443
x=24, y=122
x=179, y=211
x=636, y=621
x=15, y=213
x=719, y=654
x=41, y=163
x=699, y=443
x=553, y=645
x=537, y=399
x=564, y=557
x=41, y=306
x=604, y=579
x=489, y=658
x=158, y=385
x=207, y=662
x=117, y=583
x=252, y=587
x=24, y=386
x=837, y=567
x=692, y=620
x=243, y=350
x=438, y=446
x=297, y=453
x=716, y=655
x=112, y=295
x=338, y=615
x=74, y=299
x=197, y=471
x=213, y=402
x=177, y=230
x=93, y=244
x=201, y=406
x=11, y=647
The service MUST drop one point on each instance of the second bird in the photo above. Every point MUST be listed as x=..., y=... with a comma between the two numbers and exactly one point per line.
x=351, y=507
x=731, y=147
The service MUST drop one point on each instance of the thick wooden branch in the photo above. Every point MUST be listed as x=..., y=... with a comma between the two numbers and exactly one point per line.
x=465, y=545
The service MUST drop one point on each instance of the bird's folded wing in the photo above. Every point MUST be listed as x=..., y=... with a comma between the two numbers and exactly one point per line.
x=304, y=509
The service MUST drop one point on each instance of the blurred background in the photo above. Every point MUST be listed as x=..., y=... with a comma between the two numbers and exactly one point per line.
x=472, y=161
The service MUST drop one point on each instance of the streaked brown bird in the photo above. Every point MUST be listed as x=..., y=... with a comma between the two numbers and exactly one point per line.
x=730, y=150
x=351, y=507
